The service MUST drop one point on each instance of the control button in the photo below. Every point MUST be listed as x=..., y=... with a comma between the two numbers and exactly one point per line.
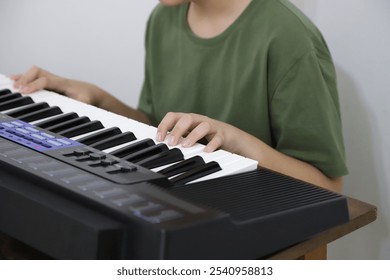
x=67, y=153
x=54, y=143
x=21, y=130
x=44, y=165
x=46, y=134
x=16, y=123
x=80, y=152
x=59, y=172
x=145, y=207
x=76, y=153
x=63, y=141
x=110, y=193
x=34, y=130
x=27, y=138
x=97, y=156
x=93, y=185
x=9, y=125
x=166, y=215
x=108, y=162
x=29, y=159
x=129, y=168
x=103, y=163
x=45, y=145
x=128, y=200
x=83, y=158
x=36, y=141
x=95, y=163
x=114, y=169
x=78, y=178
x=37, y=136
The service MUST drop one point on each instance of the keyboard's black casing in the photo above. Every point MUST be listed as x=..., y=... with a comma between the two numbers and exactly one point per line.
x=65, y=227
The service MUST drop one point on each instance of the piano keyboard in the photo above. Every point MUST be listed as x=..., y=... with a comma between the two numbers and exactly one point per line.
x=120, y=132
x=78, y=182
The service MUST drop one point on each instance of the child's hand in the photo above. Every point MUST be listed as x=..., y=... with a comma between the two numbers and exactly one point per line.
x=192, y=127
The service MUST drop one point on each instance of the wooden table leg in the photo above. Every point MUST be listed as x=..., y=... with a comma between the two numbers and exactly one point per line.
x=319, y=253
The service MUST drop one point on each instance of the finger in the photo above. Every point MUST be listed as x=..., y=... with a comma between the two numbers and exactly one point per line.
x=203, y=129
x=15, y=77
x=26, y=78
x=186, y=123
x=166, y=124
x=215, y=143
x=31, y=75
x=36, y=85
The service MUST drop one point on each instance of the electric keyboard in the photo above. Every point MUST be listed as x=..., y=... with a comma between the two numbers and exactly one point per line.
x=78, y=182
x=88, y=124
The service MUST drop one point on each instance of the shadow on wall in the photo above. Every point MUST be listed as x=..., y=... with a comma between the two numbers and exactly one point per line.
x=361, y=141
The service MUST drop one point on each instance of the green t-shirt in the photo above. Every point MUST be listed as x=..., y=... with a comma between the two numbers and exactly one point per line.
x=270, y=74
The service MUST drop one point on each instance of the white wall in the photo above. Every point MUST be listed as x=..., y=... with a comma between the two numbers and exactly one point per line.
x=97, y=41
x=357, y=32
x=102, y=42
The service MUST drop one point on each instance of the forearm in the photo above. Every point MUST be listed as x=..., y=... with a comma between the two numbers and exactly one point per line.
x=111, y=103
x=249, y=146
x=222, y=135
x=100, y=98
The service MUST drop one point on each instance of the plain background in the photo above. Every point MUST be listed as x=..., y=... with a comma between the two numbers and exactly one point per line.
x=103, y=42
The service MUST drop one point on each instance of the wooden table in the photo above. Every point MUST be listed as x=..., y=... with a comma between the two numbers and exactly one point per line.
x=361, y=214
x=315, y=248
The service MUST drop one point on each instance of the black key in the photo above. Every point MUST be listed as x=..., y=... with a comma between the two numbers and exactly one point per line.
x=41, y=114
x=27, y=109
x=183, y=166
x=68, y=124
x=198, y=172
x=4, y=92
x=17, y=102
x=9, y=97
x=133, y=148
x=163, y=158
x=80, y=129
x=99, y=136
x=114, y=141
x=57, y=120
x=145, y=153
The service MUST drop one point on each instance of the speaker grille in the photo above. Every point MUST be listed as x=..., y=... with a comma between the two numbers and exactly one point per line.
x=256, y=193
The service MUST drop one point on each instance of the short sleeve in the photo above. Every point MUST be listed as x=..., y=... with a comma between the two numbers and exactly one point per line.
x=305, y=115
x=145, y=103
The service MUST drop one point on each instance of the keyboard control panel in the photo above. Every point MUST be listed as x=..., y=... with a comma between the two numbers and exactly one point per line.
x=84, y=172
x=33, y=137
x=77, y=154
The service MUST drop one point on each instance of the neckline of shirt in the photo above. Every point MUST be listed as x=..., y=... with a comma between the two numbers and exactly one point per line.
x=220, y=37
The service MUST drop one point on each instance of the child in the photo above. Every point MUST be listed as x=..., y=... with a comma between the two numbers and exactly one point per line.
x=252, y=77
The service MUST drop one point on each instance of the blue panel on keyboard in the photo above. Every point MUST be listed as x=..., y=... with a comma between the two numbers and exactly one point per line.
x=30, y=136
